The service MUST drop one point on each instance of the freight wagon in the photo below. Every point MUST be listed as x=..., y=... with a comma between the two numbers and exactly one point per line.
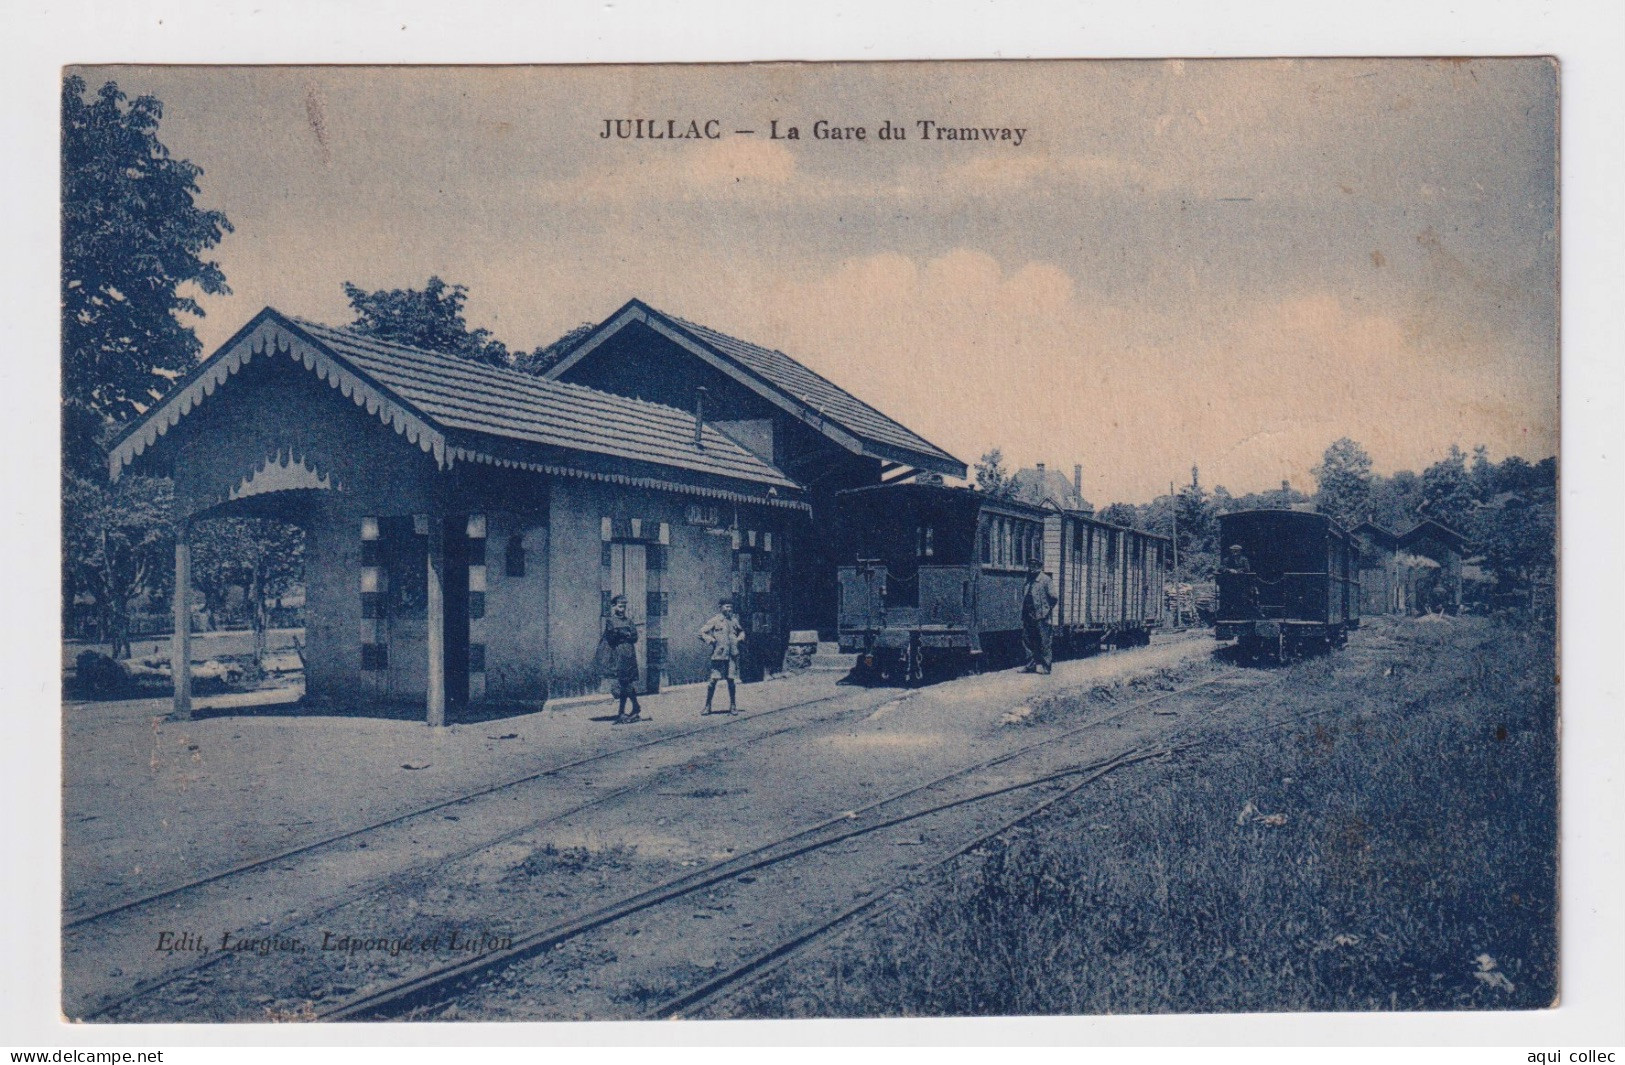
x=934, y=579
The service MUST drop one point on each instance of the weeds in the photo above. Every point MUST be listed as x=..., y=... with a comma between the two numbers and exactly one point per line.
x=1398, y=854
x=551, y=859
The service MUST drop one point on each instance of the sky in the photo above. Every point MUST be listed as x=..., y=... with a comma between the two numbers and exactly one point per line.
x=1227, y=264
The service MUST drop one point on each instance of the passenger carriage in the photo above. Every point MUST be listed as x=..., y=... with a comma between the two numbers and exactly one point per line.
x=934, y=578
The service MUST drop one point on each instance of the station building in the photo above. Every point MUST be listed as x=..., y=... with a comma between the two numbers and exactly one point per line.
x=817, y=433
x=468, y=525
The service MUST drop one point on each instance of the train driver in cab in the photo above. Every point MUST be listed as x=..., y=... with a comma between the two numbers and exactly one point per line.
x=1236, y=562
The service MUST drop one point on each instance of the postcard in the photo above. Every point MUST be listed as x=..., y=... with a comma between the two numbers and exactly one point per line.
x=809, y=540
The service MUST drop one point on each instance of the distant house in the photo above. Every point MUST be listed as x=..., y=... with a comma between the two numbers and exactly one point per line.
x=1380, y=584
x=792, y=418
x=1430, y=568
x=1043, y=487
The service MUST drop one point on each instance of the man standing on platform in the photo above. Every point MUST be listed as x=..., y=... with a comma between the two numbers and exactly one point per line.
x=1037, y=603
x=725, y=635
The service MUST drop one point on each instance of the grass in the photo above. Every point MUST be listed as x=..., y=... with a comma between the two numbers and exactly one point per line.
x=1400, y=854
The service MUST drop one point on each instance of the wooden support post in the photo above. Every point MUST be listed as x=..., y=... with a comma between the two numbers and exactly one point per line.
x=180, y=645
x=435, y=612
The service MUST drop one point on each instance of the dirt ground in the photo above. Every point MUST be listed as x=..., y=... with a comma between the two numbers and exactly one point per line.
x=150, y=803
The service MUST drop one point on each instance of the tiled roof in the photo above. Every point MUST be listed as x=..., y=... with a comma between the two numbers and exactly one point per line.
x=458, y=394
x=816, y=392
x=1035, y=485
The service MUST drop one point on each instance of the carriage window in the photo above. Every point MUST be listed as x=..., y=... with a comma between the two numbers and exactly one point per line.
x=928, y=546
x=985, y=538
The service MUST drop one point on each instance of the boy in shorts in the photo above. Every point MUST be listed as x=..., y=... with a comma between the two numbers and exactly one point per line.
x=725, y=635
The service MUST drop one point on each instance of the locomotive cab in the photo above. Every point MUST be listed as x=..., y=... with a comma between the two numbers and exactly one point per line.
x=907, y=596
x=1288, y=582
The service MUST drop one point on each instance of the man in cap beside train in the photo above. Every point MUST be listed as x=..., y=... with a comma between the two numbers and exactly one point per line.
x=1038, y=601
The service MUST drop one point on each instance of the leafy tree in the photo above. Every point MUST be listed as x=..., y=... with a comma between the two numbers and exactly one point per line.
x=1518, y=545
x=1124, y=514
x=993, y=477
x=1447, y=494
x=1344, y=476
x=264, y=558
x=1395, y=500
x=430, y=317
x=117, y=544
x=1198, y=529
x=133, y=245
x=545, y=358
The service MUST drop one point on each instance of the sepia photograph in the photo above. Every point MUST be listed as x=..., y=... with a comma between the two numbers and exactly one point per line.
x=809, y=540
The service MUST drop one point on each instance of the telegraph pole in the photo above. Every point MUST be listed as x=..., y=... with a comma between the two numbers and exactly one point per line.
x=1179, y=597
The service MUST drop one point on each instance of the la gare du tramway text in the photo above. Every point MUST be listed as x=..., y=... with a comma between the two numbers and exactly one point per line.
x=925, y=129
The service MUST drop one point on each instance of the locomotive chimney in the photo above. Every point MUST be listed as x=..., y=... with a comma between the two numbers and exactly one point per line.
x=699, y=418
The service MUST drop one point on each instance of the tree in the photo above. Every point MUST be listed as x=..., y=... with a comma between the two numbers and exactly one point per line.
x=264, y=558
x=545, y=358
x=1447, y=494
x=117, y=543
x=133, y=245
x=1124, y=514
x=1484, y=474
x=1198, y=529
x=430, y=317
x=1395, y=500
x=1344, y=476
x=993, y=478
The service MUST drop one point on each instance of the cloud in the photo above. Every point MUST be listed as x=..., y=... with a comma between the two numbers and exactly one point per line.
x=973, y=354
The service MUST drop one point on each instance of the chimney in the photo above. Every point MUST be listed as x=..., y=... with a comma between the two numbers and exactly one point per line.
x=699, y=418
x=1077, y=478
x=1286, y=487
x=1040, y=467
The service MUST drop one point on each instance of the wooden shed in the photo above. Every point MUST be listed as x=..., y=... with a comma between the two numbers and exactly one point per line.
x=1430, y=558
x=467, y=525
x=1380, y=591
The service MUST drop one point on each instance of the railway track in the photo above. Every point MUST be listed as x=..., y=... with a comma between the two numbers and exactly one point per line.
x=416, y=992
x=146, y=987
x=695, y=999
x=398, y=819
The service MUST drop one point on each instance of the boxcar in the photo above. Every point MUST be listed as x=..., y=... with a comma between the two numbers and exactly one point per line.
x=935, y=575
x=1296, y=589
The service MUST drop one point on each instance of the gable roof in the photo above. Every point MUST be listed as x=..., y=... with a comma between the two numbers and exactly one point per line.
x=1439, y=530
x=783, y=381
x=1376, y=532
x=1040, y=485
x=456, y=409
